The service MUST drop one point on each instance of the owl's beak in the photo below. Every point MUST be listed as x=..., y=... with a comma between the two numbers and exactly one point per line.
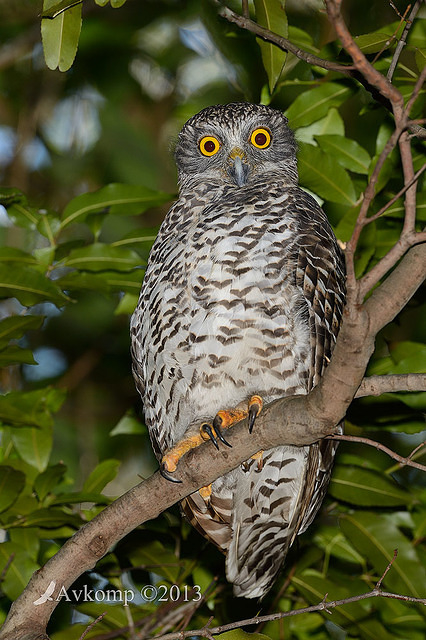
x=238, y=167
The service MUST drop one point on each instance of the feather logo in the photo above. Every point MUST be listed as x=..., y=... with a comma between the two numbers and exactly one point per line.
x=47, y=595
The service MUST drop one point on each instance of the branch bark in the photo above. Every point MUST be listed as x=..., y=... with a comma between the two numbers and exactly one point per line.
x=376, y=385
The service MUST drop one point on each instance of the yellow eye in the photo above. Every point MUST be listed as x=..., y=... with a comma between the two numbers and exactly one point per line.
x=209, y=145
x=260, y=138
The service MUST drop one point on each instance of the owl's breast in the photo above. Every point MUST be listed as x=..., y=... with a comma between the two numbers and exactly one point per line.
x=223, y=315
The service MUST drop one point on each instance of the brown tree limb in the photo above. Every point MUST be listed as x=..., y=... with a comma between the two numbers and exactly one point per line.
x=403, y=461
x=384, y=294
x=374, y=77
x=296, y=420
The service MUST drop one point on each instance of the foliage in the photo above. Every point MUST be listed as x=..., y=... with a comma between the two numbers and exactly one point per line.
x=71, y=264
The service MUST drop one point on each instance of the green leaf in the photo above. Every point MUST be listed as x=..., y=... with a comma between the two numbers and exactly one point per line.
x=347, y=152
x=128, y=425
x=46, y=481
x=240, y=634
x=120, y=199
x=366, y=488
x=314, y=587
x=102, y=257
x=10, y=254
x=373, y=42
x=155, y=557
x=59, y=7
x=19, y=570
x=11, y=195
x=28, y=286
x=376, y=538
x=271, y=15
x=34, y=445
x=79, y=496
x=31, y=408
x=314, y=104
x=127, y=304
x=23, y=216
x=60, y=35
x=101, y=476
x=332, y=541
x=420, y=59
x=11, y=484
x=323, y=175
x=16, y=355
x=16, y=326
x=116, y=4
x=49, y=519
x=331, y=124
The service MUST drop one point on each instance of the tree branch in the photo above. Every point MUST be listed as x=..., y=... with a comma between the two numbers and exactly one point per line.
x=402, y=40
x=376, y=385
x=404, y=462
x=279, y=41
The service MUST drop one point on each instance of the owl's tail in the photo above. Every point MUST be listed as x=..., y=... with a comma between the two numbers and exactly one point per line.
x=271, y=506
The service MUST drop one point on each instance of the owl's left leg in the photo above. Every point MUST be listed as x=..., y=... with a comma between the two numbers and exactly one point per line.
x=222, y=420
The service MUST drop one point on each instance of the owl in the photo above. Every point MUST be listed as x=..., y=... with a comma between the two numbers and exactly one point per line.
x=240, y=305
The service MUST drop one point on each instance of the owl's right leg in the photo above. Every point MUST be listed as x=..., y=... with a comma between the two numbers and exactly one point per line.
x=223, y=420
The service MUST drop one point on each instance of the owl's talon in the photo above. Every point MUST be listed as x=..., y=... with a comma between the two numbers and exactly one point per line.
x=206, y=428
x=167, y=475
x=255, y=407
x=217, y=422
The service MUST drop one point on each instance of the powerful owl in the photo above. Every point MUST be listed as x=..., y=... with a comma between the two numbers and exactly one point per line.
x=241, y=304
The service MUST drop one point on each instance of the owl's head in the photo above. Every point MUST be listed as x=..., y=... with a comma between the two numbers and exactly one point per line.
x=238, y=143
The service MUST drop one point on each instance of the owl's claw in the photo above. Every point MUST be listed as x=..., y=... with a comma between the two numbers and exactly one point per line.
x=206, y=429
x=217, y=423
x=167, y=475
x=255, y=407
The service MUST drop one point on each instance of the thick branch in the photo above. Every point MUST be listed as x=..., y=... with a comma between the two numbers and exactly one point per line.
x=394, y=293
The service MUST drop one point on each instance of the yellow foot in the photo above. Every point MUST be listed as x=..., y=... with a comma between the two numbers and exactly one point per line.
x=205, y=493
x=259, y=457
x=223, y=420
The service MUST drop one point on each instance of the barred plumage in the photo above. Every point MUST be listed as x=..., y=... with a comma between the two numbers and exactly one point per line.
x=243, y=295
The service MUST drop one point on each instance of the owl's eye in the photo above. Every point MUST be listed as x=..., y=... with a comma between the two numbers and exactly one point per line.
x=260, y=138
x=209, y=145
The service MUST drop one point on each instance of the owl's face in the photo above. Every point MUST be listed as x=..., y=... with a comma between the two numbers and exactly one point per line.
x=238, y=144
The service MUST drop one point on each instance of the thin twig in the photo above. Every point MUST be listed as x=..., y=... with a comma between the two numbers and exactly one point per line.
x=6, y=567
x=404, y=462
x=395, y=197
x=245, y=9
x=394, y=383
x=279, y=41
x=208, y=632
x=91, y=625
x=402, y=40
x=416, y=90
x=382, y=577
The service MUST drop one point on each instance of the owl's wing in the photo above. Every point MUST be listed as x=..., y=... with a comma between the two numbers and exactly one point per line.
x=320, y=275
